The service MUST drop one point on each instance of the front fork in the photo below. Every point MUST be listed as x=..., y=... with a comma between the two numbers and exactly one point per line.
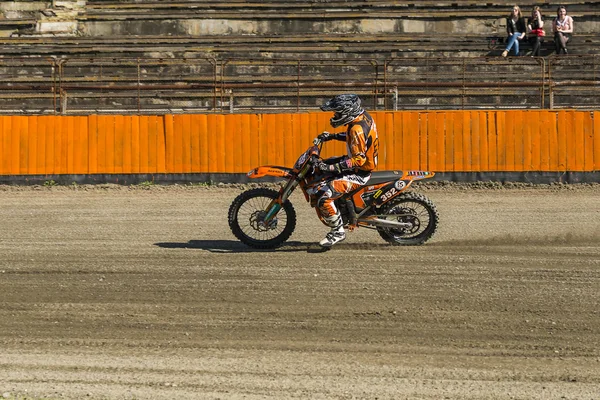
x=285, y=192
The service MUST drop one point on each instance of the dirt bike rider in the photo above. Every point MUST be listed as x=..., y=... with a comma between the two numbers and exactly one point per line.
x=351, y=171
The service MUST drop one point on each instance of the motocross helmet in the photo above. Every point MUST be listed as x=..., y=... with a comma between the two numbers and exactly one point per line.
x=346, y=108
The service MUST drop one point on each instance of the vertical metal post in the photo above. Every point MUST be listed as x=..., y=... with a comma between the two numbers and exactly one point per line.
x=219, y=86
x=427, y=79
x=222, y=85
x=298, y=88
x=139, y=94
x=375, y=91
x=385, y=105
x=63, y=101
x=463, y=84
x=214, y=86
x=100, y=77
x=543, y=83
x=376, y=84
x=550, y=88
x=54, y=88
x=62, y=105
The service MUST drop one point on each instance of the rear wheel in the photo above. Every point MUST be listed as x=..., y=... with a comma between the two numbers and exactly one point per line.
x=413, y=209
x=247, y=214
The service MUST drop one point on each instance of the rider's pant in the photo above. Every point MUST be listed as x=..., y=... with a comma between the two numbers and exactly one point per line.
x=333, y=189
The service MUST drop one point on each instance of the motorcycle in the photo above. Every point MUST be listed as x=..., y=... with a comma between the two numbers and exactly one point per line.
x=264, y=218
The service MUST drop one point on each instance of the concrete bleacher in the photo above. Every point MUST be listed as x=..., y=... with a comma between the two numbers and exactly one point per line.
x=292, y=46
x=281, y=29
x=268, y=55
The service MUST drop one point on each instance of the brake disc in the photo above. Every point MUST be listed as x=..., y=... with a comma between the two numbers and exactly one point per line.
x=257, y=221
x=408, y=215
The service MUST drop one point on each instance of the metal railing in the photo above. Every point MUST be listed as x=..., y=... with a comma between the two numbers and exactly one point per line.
x=75, y=86
x=574, y=82
x=459, y=83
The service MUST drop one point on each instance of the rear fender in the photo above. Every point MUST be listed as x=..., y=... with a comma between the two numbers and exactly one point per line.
x=417, y=175
x=390, y=190
x=381, y=193
x=270, y=170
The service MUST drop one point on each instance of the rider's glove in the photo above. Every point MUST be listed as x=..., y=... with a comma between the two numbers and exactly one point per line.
x=325, y=136
x=337, y=168
x=330, y=168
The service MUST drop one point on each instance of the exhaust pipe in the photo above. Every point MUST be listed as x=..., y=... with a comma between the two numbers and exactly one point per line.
x=384, y=223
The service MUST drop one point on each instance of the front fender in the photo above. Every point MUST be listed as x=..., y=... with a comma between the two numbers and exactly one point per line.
x=270, y=170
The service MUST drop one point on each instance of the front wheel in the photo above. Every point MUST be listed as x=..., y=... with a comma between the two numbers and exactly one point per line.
x=247, y=214
x=413, y=209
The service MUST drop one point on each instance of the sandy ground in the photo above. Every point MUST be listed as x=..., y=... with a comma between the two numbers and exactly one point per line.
x=123, y=293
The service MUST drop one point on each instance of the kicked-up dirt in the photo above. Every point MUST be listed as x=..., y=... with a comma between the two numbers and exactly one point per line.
x=111, y=292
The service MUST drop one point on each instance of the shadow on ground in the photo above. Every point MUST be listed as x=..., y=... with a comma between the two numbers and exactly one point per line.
x=233, y=246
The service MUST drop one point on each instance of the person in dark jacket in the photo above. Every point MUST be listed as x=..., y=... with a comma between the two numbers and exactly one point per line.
x=535, y=26
x=515, y=28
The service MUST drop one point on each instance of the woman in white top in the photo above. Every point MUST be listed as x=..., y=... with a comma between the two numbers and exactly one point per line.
x=563, y=29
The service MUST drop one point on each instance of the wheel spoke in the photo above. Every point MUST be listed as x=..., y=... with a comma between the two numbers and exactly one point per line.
x=247, y=216
x=250, y=214
x=410, y=212
x=418, y=216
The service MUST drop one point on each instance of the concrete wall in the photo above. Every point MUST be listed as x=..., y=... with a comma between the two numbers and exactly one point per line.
x=43, y=18
x=258, y=26
x=71, y=17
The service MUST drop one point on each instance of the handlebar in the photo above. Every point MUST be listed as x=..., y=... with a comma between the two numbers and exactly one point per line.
x=324, y=135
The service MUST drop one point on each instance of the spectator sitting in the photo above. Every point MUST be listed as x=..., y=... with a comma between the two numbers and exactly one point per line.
x=515, y=27
x=563, y=29
x=535, y=26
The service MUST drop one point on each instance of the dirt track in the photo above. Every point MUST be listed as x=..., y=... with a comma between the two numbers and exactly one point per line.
x=132, y=293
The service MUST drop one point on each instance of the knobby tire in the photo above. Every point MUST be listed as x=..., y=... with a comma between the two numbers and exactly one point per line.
x=432, y=224
x=247, y=197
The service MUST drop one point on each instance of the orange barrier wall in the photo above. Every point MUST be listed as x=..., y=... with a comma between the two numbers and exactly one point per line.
x=441, y=141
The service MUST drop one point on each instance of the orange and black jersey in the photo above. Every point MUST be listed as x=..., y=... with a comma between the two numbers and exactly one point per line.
x=362, y=142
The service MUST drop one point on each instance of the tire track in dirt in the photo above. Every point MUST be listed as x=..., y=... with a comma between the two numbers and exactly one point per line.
x=133, y=293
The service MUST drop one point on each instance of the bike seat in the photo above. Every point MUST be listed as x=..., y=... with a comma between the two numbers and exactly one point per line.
x=384, y=176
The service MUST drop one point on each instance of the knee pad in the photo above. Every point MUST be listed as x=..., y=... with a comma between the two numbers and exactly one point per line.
x=323, y=195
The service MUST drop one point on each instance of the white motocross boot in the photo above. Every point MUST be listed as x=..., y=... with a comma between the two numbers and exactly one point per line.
x=336, y=234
